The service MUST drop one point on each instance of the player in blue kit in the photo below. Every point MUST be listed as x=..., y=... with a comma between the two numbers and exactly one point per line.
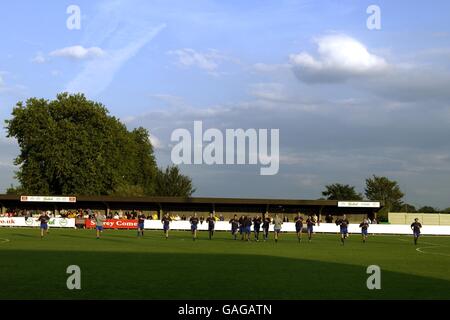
x=166, y=223
x=266, y=226
x=415, y=227
x=194, y=223
x=343, y=226
x=247, y=228
x=298, y=226
x=234, y=226
x=211, y=223
x=364, y=225
x=43, y=219
x=310, y=223
x=140, y=226
x=257, y=226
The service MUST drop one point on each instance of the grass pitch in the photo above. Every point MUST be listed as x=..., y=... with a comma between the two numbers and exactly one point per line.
x=122, y=266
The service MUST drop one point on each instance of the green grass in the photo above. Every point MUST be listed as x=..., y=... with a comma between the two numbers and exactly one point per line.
x=121, y=266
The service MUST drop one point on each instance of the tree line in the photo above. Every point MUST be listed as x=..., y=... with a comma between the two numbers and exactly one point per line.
x=73, y=146
x=377, y=188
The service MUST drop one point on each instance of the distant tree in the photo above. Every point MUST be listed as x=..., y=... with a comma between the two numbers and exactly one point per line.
x=427, y=209
x=383, y=189
x=447, y=210
x=72, y=145
x=388, y=191
x=406, y=208
x=170, y=182
x=339, y=191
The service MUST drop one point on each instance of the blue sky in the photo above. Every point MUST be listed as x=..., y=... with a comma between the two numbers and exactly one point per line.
x=349, y=102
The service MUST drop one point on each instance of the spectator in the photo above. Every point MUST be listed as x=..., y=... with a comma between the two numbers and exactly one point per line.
x=221, y=217
x=316, y=218
x=329, y=219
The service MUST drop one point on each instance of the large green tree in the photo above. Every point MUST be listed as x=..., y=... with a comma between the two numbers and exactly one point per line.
x=388, y=191
x=71, y=145
x=339, y=191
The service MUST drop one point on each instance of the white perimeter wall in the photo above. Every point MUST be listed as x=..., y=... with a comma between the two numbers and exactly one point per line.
x=225, y=226
x=324, y=227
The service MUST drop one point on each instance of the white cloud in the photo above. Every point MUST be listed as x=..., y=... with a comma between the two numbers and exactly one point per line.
x=269, y=91
x=78, y=52
x=156, y=143
x=190, y=57
x=97, y=75
x=208, y=61
x=268, y=68
x=339, y=57
x=342, y=59
x=39, y=58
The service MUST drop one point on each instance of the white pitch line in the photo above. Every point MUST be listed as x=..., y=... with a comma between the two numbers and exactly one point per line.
x=3, y=240
x=435, y=253
x=433, y=245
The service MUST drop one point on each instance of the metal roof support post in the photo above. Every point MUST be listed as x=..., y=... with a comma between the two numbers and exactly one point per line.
x=106, y=209
x=320, y=215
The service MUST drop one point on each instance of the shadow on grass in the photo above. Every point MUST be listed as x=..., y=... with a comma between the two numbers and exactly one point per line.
x=117, y=275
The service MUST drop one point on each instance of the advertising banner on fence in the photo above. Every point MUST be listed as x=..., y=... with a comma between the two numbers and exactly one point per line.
x=114, y=224
x=31, y=222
